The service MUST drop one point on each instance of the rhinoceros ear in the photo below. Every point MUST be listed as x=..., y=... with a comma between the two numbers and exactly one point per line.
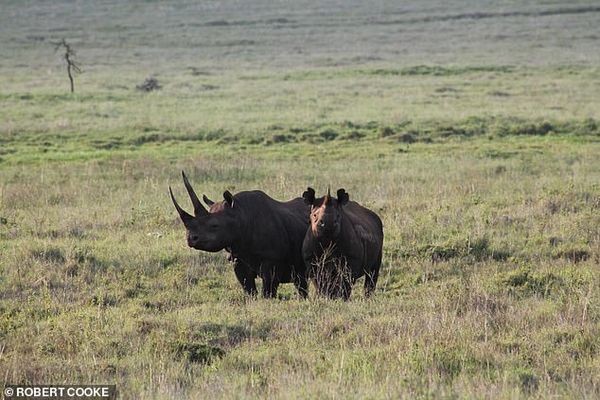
x=309, y=196
x=342, y=197
x=208, y=201
x=228, y=198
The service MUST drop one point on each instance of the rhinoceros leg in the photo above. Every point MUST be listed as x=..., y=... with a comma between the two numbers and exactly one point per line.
x=344, y=278
x=345, y=289
x=270, y=281
x=245, y=276
x=371, y=277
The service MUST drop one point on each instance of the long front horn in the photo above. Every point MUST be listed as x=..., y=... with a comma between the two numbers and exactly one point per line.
x=198, y=207
x=185, y=217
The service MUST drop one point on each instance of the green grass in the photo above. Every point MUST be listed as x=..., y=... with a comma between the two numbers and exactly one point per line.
x=480, y=155
x=489, y=284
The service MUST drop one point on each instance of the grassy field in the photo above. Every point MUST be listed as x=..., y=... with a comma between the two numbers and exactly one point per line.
x=472, y=129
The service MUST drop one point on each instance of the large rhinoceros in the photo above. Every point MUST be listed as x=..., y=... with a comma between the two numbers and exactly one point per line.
x=343, y=243
x=264, y=236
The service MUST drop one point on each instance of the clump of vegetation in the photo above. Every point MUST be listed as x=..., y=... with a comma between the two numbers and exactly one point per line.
x=537, y=129
x=328, y=134
x=152, y=138
x=280, y=138
x=354, y=135
x=52, y=255
x=197, y=352
x=573, y=255
x=408, y=137
x=527, y=380
x=524, y=282
x=478, y=249
x=312, y=138
x=149, y=85
x=436, y=70
x=386, y=131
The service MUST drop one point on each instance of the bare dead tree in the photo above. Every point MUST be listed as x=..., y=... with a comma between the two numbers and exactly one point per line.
x=71, y=64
